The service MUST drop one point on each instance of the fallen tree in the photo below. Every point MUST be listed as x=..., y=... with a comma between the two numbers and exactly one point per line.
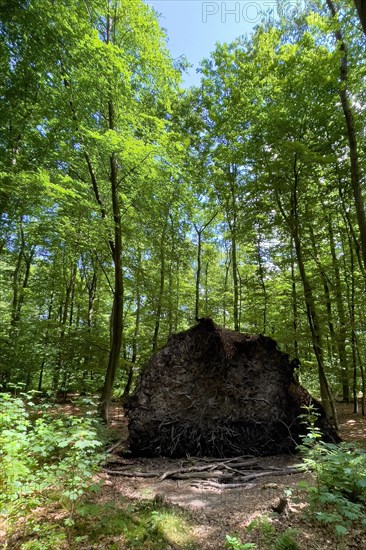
x=215, y=392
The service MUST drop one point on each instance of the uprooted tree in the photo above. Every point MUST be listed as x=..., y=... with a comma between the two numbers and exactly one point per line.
x=215, y=392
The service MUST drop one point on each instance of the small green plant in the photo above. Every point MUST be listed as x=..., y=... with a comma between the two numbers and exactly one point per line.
x=269, y=539
x=286, y=540
x=339, y=496
x=234, y=543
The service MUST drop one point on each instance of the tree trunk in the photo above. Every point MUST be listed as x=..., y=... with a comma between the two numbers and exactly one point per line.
x=361, y=10
x=351, y=132
x=227, y=269
x=234, y=263
x=45, y=343
x=199, y=231
x=326, y=395
x=64, y=311
x=341, y=336
x=116, y=322
x=233, y=224
x=262, y=283
x=159, y=306
x=294, y=302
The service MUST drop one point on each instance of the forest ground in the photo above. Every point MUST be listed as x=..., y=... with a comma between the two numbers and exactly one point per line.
x=128, y=512
x=215, y=513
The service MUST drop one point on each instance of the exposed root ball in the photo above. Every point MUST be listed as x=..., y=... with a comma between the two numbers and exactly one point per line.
x=216, y=392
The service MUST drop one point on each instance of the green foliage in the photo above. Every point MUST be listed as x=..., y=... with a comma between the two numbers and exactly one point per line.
x=48, y=461
x=286, y=540
x=235, y=544
x=146, y=525
x=45, y=457
x=266, y=537
x=339, y=495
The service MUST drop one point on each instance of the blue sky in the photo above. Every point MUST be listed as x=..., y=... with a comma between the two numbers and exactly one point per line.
x=194, y=26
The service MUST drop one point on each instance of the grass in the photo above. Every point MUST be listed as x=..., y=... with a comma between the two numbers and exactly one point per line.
x=144, y=525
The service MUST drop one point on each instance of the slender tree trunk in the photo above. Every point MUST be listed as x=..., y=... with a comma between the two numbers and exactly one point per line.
x=234, y=263
x=45, y=343
x=206, y=289
x=136, y=331
x=115, y=243
x=227, y=269
x=64, y=311
x=92, y=291
x=159, y=306
x=232, y=213
x=351, y=132
x=177, y=297
x=262, y=283
x=295, y=321
x=361, y=10
x=328, y=303
x=171, y=277
x=116, y=323
x=15, y=277
x=199, y=231
x=327, y=398
x=326, y=395
x=342, y=332
x=363, y=380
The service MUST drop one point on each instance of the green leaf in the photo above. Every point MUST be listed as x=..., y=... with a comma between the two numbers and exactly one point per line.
x=341, y=530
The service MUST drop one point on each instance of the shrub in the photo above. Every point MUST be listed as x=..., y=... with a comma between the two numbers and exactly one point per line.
x=339, y=495
x=45, y=457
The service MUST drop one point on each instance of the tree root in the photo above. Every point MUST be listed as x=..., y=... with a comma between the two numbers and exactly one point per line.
x=223, y=474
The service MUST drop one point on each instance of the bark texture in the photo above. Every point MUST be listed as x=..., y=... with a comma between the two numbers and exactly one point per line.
x=216, y=392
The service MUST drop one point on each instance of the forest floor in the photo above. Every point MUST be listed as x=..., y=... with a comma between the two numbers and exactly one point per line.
x=133, y=512
x=214, y=513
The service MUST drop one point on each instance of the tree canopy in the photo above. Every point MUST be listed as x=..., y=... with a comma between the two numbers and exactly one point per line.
x=130, y=206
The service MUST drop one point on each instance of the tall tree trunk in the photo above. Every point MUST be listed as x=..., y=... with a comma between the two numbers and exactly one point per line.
x=45, y=343
x=171, y=277
x=64, y=312
x=15, y=277
x=328, y=303
x=342, y=332
x=159, y=306
x=234, y=264
x=314, y=325
x=232, y=213
x=295, y=321
x=116, y=322
x=361, y=10
x=199, y=230
x=351, y=133
x=206, y=289
x=353, y=335
x=262, y=283
x=227, y=269
x=198, y=273
x=136, y=331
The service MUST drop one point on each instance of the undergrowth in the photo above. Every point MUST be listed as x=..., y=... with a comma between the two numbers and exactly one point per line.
x=47, y=459
x=338, y=496
x=48, y=466
x=266, y=537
